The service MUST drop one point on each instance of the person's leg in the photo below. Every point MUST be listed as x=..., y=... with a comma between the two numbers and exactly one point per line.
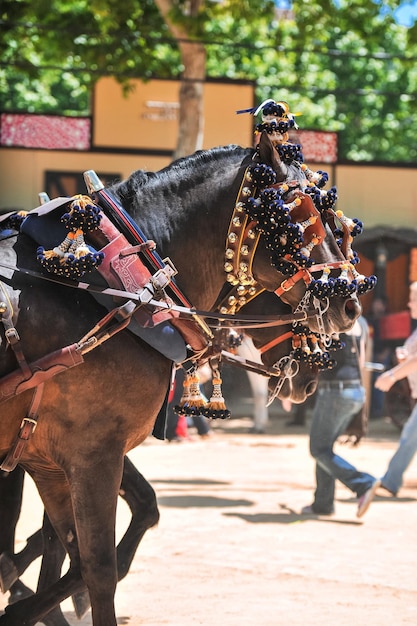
x=324, y=495
x=333, y=411
x=202, y=424
x=407, y=447
x=172, y=417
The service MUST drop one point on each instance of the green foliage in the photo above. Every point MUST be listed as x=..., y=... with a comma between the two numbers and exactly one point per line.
x=345, y=65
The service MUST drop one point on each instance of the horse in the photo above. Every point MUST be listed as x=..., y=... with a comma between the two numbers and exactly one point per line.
x=137, y=493
x=90, y=418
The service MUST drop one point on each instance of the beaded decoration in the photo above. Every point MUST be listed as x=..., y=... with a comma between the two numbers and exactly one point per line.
x=73, y=258
x=290, y=233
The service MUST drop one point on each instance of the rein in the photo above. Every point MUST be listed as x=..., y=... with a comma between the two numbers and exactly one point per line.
x=223, y=319
x=276, y=342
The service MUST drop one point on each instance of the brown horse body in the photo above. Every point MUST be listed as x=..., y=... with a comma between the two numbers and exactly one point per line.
x=93, y=414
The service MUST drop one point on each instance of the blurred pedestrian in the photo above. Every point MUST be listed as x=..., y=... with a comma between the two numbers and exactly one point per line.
x=340, y=396
x=381, y=352
x=392, y=480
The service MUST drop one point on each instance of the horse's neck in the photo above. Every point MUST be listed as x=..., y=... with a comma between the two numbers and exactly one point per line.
x=189, y=222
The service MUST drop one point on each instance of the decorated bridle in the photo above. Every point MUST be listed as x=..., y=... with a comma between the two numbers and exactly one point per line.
x=291, y=216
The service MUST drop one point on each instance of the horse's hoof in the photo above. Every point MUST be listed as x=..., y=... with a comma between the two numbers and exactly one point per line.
x=19, y=591
x=8, y=572
x=81, y=602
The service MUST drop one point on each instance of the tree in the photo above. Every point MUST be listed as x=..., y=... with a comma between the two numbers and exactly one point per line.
x=346, y=65
x=193, y=57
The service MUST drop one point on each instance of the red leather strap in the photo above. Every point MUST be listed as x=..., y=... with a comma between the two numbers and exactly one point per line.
x=275, y=342
x=289, y=283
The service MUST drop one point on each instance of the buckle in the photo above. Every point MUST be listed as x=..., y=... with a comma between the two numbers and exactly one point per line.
x=29, y=420
x=12, y=335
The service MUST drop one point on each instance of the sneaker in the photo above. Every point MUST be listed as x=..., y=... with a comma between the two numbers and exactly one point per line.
x=366, y=499
x=308, y=510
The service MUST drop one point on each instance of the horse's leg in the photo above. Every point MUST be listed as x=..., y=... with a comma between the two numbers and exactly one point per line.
x=37, y=608
x=33, y=609
x=17, y=563
x=11, y=489
x=94, y=493
x=13, y=565
x=51, y=566
x=141, y=498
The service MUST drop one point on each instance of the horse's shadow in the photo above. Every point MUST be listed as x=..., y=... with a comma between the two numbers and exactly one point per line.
x=290, y=517
x=190, y=501
x=184, y=501
x=190, y=481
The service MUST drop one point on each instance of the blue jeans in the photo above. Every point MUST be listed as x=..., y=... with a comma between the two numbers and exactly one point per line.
x=393, y=478
x=332, y=414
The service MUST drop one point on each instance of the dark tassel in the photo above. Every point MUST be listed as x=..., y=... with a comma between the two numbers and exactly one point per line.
x=192, y=402
x=216, y=408
x=73, y=258
x=185, y=397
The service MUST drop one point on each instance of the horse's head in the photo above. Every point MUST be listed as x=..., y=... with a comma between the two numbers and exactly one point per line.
x=304, y=253
x=297, y=369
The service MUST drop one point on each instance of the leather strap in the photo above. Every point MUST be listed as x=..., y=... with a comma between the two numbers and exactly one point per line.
x=289, y=283
x=275, y=342
x=26, y=431
x=40, y=371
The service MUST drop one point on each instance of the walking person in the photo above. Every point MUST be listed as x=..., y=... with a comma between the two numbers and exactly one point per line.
x=406, y=368
x=340, y=396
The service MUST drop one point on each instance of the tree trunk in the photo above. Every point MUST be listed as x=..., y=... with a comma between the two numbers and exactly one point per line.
x=191, y=111
x=193, y=56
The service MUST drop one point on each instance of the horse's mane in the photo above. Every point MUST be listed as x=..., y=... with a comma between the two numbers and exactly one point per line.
x=185, y=168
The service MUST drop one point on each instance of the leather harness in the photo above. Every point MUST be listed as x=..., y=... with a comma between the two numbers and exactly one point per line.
x=126, y=274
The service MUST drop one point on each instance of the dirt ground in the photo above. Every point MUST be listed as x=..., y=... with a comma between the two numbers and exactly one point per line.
x=231, y=548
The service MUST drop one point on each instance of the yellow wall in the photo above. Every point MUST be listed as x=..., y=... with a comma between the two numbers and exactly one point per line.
x=22, y=172
x=148, y=117
x=378, y=195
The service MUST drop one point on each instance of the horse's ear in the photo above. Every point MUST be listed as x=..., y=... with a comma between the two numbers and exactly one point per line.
x=270, y=156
